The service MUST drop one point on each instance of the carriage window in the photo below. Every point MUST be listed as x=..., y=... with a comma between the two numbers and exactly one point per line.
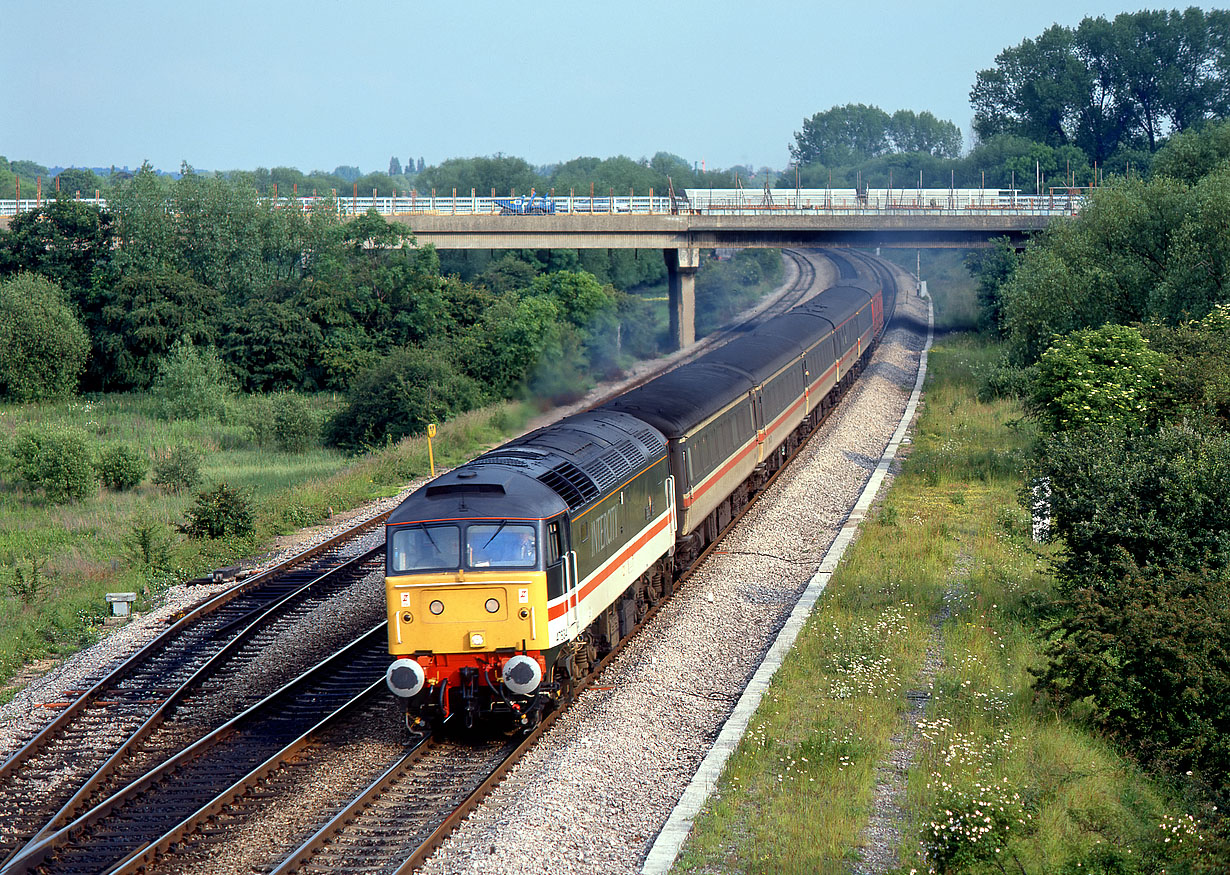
x=417, y=548
x=501, y=545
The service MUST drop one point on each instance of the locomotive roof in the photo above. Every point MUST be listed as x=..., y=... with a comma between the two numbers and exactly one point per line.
x=565, y=465
x=684, y=397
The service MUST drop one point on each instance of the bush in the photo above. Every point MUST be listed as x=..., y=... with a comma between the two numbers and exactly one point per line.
x=294, y=425
x=400, y=397
x=178, y=469
x=43, y=347
x=1150, y=658
x=1103, y=376
x=219, y=512
x=191, y=383
x=57, y=460
x=121, y=467
x=1161, y=498
x=148, y=544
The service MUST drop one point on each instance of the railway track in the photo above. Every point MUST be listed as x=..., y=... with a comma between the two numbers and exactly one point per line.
x=76, y=754
x=128, y=829
x=64, y=843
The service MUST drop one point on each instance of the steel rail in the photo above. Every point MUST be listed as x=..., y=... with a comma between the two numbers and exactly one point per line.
x=301, y=598
x=181, y=621
x=157, y=808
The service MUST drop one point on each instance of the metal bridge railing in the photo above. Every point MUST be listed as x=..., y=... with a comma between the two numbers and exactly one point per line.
x=705, y=202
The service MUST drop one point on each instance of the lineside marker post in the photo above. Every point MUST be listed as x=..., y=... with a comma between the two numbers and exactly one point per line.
x=431, y=458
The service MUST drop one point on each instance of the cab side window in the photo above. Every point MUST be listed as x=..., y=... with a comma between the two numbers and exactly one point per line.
x=554, y=543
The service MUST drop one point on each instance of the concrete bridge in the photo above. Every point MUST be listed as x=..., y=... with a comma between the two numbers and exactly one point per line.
x=681, y=225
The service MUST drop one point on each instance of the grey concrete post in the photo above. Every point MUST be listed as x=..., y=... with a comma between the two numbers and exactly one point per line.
x=681, y=265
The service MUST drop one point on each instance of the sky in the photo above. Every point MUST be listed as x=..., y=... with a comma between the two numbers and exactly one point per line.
x=315, y=84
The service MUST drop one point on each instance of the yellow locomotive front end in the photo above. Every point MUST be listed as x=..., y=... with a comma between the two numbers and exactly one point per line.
x=466, y=590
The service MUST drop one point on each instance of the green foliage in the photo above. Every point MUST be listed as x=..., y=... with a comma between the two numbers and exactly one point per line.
x=1191, y=155
x=220, y=512
x=25, y=577
x=295, y=426
x=43, y=347
x=191, y=383
x=136, y=320
x=1125, y=259
x=64, y=241
x=273, y=346
x=993, y=267
x=1096, y=377
x=400, y=397
x=1199, y=380
x=845, y=134
x=973, y=827
x=58, y=460
x=178, y=468
x=1162, y=498
x=1106, y=85
x=148, y=544
x=120, y=467
x=1149, y=658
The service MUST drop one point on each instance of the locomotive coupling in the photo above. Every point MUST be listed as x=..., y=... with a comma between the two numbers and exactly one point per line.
x=522, y=675
x=405, y=678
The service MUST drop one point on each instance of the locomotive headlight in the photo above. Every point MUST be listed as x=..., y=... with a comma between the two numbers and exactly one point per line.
x=477, y=639
x=492, y=606
x=407, y=617
x=522, y=675
x=436, y=607
x=405, y=678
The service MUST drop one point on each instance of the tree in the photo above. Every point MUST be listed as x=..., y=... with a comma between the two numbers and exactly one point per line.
x=191, y=382
x=394, y=166
x=78, y=180
x=501, y=173
x=135, y=322
x=1190, y=155
x=273, y=347
x=842, y=135
x=43, y=347
x=400, y=397
x=145, y=224
x=993, y=268
x=64, y=241
x=1109, y=85
x=1148, y=659
x=1159, y=498
x=1105, y=377
x=923, y=132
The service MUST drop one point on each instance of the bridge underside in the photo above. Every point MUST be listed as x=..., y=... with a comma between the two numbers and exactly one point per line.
x=674, y=232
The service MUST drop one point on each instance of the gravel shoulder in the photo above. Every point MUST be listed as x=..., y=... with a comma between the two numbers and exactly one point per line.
x=596, y=790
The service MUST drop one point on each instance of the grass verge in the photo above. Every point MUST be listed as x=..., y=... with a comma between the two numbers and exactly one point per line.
x=940, y=598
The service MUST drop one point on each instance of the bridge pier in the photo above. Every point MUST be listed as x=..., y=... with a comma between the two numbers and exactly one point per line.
x=681, y=265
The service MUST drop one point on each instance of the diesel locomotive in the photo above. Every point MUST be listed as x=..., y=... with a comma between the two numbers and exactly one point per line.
x=508, y=577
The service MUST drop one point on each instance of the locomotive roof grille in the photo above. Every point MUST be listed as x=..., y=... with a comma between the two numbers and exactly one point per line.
x=571, y=484
x=652, y=441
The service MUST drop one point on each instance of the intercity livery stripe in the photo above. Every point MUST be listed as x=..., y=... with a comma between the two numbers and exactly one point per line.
x=598, y=577
x=717, y=475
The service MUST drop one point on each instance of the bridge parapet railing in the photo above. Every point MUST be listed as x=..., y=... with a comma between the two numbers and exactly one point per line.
x=707, y=202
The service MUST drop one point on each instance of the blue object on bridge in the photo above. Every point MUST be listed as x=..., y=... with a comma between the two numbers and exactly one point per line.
x=525, y=205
